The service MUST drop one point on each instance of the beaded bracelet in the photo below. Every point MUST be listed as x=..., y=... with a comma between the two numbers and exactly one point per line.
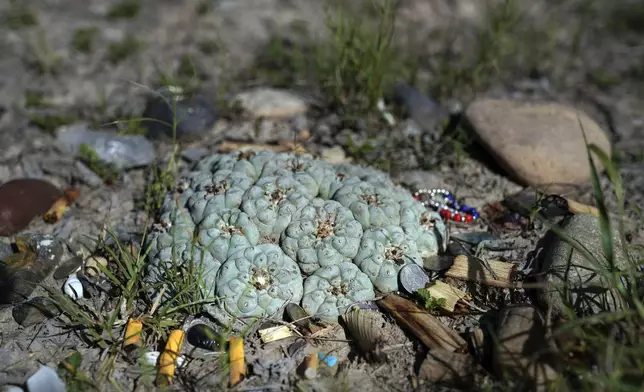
x=444, y=202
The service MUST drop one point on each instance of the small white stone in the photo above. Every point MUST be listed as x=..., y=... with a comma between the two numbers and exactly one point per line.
x=45, y=380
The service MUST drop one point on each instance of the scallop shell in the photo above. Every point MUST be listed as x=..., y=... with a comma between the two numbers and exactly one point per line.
x=365, y=327
x=73, y=287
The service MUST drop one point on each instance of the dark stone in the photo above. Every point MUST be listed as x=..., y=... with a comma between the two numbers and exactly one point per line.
x=195, y=114
x=35, y=311
x=20, y=273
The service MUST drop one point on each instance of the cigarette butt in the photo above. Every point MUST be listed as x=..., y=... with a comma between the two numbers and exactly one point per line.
x=132, y=332
x=311, y=366
x=58, y=208
x=237, y=361
x=169, y=356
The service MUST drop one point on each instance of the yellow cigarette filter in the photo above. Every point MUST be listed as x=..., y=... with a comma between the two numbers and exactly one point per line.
x=168, y=358
x=237, y=361
x=311, y=366
x=132, y=332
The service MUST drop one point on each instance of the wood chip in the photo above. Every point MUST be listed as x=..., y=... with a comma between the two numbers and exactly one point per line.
x=576, y=207
x=427, y=328
x=453, y=296
x=471, y=269
x=273, y=334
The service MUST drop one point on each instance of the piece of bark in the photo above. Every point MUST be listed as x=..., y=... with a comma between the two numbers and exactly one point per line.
x=427, y=328
x=471, y=269
x=448, y=367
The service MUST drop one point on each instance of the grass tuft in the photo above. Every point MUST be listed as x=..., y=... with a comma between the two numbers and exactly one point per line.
x=126, y=9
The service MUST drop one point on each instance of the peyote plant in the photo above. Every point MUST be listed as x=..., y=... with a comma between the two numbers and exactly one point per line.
x=268, y=228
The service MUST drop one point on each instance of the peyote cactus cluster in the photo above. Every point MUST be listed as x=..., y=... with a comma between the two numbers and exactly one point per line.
x=271, y=228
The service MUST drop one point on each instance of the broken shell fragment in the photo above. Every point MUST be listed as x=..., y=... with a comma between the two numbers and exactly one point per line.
x=73, y=287
x=92, y=264
x=364, y=326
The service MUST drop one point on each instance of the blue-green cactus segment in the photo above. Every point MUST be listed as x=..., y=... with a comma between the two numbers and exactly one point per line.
x=234, y=212
x=324, y=233
x=272, y=202
x=331, y=289
x=371, y=206
x=216, y=193
x=383, y=251
x=258, y=281
x=219, y=236
x=425, y=226
x=372, y=176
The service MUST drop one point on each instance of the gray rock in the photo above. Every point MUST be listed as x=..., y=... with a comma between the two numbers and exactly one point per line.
x=572, y=281
x=5, y=250
x=194, y=154
x=20, y=274
x=425, y=111
x=122, y=151
x=87, y=176
x=45, y=380
x=194, y=113
x=35, y=311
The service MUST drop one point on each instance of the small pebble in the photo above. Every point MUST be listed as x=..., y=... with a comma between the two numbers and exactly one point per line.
x=412, y=278
x=68, y=267
x=45, y=380
x=438, y=262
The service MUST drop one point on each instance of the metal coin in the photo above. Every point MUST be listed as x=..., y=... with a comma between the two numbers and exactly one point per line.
x=413, y=277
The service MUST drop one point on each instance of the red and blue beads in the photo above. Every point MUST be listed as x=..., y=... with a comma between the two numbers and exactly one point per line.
x=444, y=202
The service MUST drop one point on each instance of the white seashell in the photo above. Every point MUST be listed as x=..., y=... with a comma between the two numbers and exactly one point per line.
x=152, y=358
x=73, y=287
